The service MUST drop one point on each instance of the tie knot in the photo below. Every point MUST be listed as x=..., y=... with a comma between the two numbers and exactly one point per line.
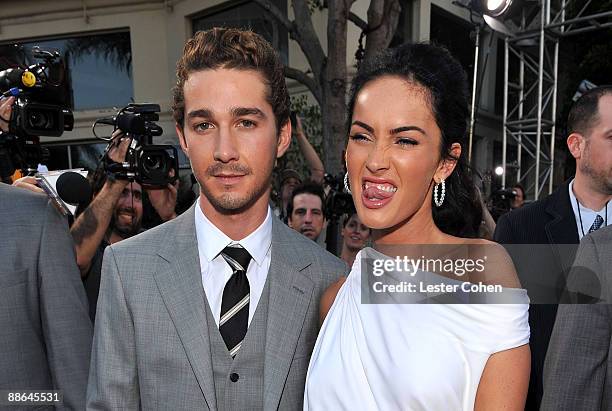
x=237, y=257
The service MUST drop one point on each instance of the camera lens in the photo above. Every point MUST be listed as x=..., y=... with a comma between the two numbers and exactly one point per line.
x=153, y=162
x=40, y=120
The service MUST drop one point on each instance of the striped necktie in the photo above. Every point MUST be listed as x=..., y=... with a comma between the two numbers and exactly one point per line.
x=234, y=319
x=596, y=224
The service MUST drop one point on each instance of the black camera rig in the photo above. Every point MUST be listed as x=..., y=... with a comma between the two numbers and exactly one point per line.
x=43, y=107
x=145, y=162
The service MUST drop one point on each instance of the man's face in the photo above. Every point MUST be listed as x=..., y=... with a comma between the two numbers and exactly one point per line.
x=127, y=216
x=519, y=198
x=596, y=159
x=231, y=139
x=307, y=216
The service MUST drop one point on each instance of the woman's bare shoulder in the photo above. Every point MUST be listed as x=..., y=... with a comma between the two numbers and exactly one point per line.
x=329, y=296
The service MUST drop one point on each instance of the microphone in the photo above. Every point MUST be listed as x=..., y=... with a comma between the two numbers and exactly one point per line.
x=73, y=188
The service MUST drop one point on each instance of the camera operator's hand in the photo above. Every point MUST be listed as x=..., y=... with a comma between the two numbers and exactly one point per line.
x=6, y=108
x=163, y=199
x=28, y=183
x=119, y=146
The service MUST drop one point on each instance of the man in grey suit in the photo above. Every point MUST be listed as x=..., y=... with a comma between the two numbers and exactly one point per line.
x=579, y=361
x=217, y=309
x=45, y=331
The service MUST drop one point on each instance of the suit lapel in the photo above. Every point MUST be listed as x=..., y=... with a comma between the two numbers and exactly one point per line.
x=290, y=296
x=562, y=228
x=180, y=285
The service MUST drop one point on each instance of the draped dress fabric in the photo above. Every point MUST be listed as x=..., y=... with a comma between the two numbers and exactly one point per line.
x=407, y=356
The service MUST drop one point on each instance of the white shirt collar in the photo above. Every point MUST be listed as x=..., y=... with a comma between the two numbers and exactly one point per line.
x=586, y=214
x=211, y=240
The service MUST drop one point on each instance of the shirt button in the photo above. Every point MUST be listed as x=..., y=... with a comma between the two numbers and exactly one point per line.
x=234, y=377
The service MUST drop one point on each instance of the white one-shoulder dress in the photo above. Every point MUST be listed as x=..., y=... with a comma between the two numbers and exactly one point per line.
x=407, y=356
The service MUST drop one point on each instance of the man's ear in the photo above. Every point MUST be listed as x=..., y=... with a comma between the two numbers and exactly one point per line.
x=448, y=164
x=284, y=139
x=289, y=223
x=575, y=144
x=181, y=138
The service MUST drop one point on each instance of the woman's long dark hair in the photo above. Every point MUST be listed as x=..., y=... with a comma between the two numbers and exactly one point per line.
x=433, y=68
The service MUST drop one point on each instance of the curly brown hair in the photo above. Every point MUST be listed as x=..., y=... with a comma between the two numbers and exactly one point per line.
x=231, y=48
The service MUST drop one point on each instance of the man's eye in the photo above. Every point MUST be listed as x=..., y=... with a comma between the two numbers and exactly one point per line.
x=247, y=123
x=202, y=126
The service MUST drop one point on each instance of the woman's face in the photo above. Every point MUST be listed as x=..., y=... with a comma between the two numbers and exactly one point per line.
x=393, y=153
x=355, y=233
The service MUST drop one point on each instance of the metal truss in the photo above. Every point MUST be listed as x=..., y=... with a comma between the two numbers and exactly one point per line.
x=531, y=67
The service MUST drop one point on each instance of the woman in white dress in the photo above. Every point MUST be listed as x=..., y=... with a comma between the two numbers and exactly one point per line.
x=408, y=176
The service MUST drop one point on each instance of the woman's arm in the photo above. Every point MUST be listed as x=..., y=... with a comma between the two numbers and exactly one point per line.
x=328, y=298
x=504, y=381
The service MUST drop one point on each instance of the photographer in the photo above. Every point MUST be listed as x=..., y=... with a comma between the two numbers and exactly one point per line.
x=114, y=214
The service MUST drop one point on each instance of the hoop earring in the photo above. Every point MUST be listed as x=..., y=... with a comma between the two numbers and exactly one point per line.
x=439, y=201
x=346, y=184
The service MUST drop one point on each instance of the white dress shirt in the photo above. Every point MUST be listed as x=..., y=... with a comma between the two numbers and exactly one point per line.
x=215, y=270
x=586, y=214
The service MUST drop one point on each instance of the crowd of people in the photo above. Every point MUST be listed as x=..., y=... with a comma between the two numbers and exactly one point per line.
x=235, y=303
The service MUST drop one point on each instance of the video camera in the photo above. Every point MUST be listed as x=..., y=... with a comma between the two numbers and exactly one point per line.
x=145, y=162
x=338, y=202
x=43, y=107
x=501, y=202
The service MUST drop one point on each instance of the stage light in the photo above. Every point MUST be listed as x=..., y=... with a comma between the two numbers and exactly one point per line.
x=499, y=170
x=496, y=8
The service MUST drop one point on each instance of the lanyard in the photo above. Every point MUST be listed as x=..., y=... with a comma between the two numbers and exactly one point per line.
x=580, y=215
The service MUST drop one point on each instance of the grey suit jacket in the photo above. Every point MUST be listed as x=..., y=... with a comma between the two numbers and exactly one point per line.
x=151, y=350
x=45, y=331
x=578, y=367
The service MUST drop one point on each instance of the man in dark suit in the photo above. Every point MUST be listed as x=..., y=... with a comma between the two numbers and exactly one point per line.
x=577, y=207
x=45, y=332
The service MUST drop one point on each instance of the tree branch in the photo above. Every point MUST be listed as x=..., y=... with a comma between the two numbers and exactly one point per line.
x=307, y=38
x=277, y=14
x=358, y=21
x=306, y=80
x=383, y=16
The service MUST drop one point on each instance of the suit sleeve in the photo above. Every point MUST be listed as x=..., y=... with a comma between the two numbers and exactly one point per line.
x=64, y=314
x=113, y=376
x=575, y=368
x=503, y=230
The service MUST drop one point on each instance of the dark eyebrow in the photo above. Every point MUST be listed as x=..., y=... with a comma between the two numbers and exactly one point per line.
x=408, y=128
x=394, y=131
x=203, y=112
x=363, y=125
x=247, y=111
